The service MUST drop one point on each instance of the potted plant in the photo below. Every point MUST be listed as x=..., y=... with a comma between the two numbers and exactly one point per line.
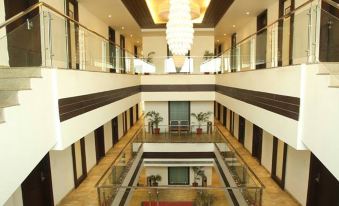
x=149, y=58
x=201, y=117
x=208, y=55
x=154, y=180
x=154, y=118
x=198, y=174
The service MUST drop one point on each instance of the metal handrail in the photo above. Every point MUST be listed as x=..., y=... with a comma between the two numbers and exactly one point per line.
x=43, y=4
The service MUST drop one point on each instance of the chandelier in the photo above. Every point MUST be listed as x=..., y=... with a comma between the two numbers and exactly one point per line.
x=179, y=32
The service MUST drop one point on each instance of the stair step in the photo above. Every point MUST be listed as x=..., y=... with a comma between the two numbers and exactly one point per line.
x=334, y=80
x=2, y=117
x=8, y=98
x=15, y=84
x=20, y=72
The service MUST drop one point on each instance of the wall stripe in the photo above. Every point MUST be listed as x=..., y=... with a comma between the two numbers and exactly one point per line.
x=284, y=105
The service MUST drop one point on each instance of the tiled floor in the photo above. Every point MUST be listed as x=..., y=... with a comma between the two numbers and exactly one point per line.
x=272, y=194
x=86, y=193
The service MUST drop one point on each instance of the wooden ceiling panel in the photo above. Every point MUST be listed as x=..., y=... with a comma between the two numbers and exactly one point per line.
x=141, y=14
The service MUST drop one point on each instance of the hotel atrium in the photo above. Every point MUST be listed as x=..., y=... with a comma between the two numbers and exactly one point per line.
x=169, y=102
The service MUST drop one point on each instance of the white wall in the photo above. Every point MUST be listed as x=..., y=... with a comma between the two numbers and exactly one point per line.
x=37, y=107
x=297, y=173
x=162, y=108
x=90, y=151
x=62, y=173
x=75, y=83
x=108, y=136
x=283, y=81
x=248, y=135
x=267, y=150
x=197, y=107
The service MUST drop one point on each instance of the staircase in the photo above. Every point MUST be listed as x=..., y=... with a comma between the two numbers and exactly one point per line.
x=12, y=81
x=332, y=70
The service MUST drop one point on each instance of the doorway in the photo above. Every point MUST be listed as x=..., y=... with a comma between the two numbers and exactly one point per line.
x=131, y=119
x=123, y=55
x=232, y=122
x=137, y=111
x=329, y=29
x=37, y=187
x=99, y=143
x=73, y=34
x=23, y=35
x=218, y=110
x=112, y=51
x=323, y=187
x=257, y=142
x=261, y=40
x=279, y=162
x=241, y=134
x=124, y=119
x=224, y=116
x=79, y=162
x=115, y=130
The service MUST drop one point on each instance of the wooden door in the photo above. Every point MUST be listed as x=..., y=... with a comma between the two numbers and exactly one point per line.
x=261, y=40
x=79, y=162
x=131, y=119
x=279, y=162
x=137, y=111
x=115, y=130
x=241, y=133
x=224, y=116
x=99, y=143
x=23, y=35
x=37, y=187
x=323, y=187
x=257, y=142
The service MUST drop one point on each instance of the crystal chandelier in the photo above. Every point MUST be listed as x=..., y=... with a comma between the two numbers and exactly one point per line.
x=179, y=32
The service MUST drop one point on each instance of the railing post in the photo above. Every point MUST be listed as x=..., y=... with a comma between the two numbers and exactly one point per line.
x=50, y=43
x=309, y=30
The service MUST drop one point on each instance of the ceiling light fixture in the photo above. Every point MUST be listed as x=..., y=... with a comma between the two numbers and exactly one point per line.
x=179, y=32
x=122, y=28
x=131, y=35
x=233, y=26
x=224, y=34
x=247, y=13
x=109, y=16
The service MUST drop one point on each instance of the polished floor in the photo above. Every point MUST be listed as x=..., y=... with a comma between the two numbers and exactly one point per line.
x=86, y=194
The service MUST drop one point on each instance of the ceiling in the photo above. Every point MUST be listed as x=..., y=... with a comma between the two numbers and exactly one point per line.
x=216, y=16
x=141, y=13
x=238, y=15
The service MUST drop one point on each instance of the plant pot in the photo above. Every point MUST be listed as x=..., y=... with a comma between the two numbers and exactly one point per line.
x=146, y=73
x=156, y=130
x=113, y=70
x=155, y=184
x=199, y=130
x=195, y=184
x=206, y=73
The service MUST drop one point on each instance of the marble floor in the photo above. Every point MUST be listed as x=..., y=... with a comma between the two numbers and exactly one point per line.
x=86, y=194
x=272, y=193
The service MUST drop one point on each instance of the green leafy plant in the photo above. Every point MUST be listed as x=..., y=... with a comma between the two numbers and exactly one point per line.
x=149, y=58
x=154, y=118
x=155, y=179
x=208, y=55
x=198, y=173
x=201, y=117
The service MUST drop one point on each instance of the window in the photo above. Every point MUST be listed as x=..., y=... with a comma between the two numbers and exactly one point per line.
x=178, y=176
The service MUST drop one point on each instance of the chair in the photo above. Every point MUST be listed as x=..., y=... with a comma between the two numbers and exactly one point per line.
x=184, y=126
x=174, y=126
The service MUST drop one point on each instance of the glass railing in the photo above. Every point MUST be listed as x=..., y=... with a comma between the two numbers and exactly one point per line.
x=180, y=195
x=46, y=37
x=291, y=40
x=114, y=187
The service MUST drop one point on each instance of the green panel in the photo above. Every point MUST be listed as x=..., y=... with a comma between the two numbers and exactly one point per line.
x=179, y=110
x=178, y=175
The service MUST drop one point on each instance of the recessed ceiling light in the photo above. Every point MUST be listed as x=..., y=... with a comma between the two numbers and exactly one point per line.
x=224, y=34
x=233, y=26
x=131, y=35
x=248, y=13
x=138, y=42
x=109, y=16
x=122, y=28
x=218, y=40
